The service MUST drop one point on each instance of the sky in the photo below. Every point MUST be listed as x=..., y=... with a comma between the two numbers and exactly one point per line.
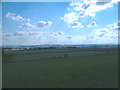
x=83, y=22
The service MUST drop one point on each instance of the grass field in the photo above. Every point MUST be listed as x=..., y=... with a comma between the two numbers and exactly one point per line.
x=98, y=71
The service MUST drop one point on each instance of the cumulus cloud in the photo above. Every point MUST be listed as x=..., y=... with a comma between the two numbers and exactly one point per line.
x=31, y=38
x=18, y=33
x=56, y=33
x=27, y=25
x=76, y=24
x=29, y=33
x=118, y=25
x=43, y=23
x=91, y=7
x=72, y=20
x=69, y=18
x=36, y=38
x=101, y=36
x=92, y=24
x=114, y=26
x=28, y=20
x=15, y=17
x=0, y=36
x=40, y=24
x=109, y=34
x=102, y=2
x=106, y=33
x=21, y=33
x=97, y=36
x=85, y=8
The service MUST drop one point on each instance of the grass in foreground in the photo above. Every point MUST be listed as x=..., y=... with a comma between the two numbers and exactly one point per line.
x=99, y=71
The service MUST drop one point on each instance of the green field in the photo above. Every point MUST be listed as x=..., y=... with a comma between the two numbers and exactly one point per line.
x=98, y=71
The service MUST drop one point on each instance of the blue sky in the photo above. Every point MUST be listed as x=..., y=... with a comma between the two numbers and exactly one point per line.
x=83, y=22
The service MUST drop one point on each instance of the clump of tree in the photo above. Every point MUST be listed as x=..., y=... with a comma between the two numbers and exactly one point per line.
x=65, y=55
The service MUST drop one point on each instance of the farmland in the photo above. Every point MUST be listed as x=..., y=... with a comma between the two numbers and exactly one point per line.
x=61, y=68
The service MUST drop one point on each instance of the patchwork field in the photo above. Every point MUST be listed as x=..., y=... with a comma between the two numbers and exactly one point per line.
x=38, y=54
x=68, y=71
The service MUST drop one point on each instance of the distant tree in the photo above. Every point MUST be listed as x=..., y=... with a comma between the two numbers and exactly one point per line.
x=25, y=49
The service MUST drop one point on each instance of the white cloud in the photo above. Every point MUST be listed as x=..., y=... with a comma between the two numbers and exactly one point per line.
x=31, y=38
x=114, y=26
x=27, y=25
x=76, y=24
x=28, y=20
x=118, y=25
x=58, y=33
x=43, y=23
x=105, y=34
x=69, y=18
x=97, y=36
x=85, y=8
x=102, y=36
x=13, y=16
x=72, y=20
x=91, y=7
x=40, y=24
x=0, y=35
x=92, y=24
x=36, y=38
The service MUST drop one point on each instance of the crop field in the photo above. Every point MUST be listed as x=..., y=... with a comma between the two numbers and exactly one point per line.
x=23, y=55
x=84, y=70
